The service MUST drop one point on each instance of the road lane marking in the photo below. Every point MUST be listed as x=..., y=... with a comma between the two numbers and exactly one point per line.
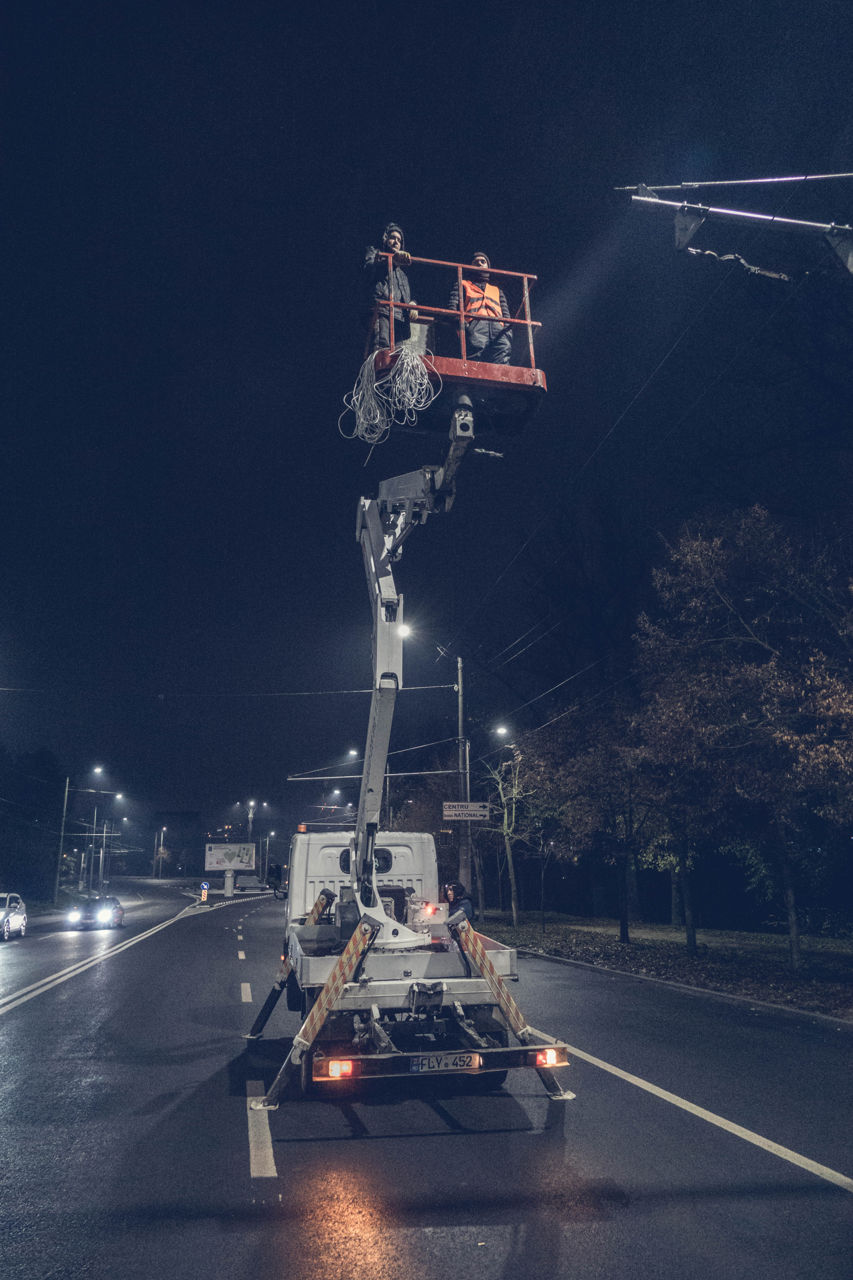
x=246, y=992
x=784, y=1153
x=16, y=998
x=261, y=1158
x=241, y=955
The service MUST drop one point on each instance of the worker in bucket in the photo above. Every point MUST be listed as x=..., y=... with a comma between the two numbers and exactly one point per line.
x=486, y=339
x=380, y=289
x=458, y=899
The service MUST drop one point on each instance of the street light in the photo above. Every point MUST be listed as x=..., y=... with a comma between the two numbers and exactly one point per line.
x=252, y=807
x=158, y=848
x=266, y=862
x=97, y=769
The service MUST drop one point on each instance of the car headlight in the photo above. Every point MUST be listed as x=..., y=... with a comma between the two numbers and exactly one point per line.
x=74, y=916
x=104, y=914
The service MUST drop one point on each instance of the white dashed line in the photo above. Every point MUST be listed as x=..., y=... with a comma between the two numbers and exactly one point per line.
x=261, y=1158
x=241, y=955
x=784, y=1153
x=246, y=992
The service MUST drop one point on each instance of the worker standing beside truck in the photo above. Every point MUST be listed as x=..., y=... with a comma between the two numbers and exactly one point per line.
x=458, y=899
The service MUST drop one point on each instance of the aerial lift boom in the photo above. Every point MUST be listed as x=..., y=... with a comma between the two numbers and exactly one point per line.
x=382, y=527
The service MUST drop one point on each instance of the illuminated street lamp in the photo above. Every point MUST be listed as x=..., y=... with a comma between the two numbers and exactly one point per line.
x=266, y=862
x=252, y=807
x=85, y=867
x=158, y=849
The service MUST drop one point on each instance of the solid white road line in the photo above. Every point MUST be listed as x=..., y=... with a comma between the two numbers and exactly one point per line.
x=241, y=955
x=784, y=1153
x=16, y=998
x=246, y=992
x=261, y=1158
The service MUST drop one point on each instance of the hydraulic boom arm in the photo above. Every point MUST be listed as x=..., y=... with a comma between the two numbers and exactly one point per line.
x=382, y=525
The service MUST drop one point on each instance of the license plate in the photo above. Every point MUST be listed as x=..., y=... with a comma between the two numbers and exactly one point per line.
x=429, y=1062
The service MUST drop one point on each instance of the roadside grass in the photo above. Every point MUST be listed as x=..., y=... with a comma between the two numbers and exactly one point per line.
x=751, y=965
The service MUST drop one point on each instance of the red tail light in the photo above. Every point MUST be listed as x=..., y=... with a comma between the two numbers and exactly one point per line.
x=339, y=1068
x=547, y=1058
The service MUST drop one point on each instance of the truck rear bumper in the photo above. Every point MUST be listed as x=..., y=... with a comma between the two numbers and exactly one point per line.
x=477, y=1062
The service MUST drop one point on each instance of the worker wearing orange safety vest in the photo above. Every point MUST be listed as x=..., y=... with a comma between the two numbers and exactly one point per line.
x=485, y=306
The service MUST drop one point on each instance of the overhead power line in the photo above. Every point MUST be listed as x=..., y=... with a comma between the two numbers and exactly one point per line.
x=547, y=517
x=217, y=693
x=735, y=182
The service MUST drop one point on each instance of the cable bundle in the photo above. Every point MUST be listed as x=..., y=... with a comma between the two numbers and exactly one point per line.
x=395, y=398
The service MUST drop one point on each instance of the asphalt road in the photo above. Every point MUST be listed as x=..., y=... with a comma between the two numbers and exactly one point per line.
x=126, y=1128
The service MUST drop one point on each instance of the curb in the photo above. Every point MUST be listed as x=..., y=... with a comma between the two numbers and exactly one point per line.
x=683, y=986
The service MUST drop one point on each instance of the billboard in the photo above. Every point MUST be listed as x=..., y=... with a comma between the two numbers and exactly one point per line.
x=229, y=857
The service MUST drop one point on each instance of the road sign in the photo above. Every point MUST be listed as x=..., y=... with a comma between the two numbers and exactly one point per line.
x=467, y=810
x=205, y=885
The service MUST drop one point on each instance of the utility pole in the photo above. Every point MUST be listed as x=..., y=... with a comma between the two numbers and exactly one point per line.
x=102, y=859
x=91, y=867
x=464, y=783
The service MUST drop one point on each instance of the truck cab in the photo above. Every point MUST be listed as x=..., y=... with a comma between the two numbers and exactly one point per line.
x=405, y=863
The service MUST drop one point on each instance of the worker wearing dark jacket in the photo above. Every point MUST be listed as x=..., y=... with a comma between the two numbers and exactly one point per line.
x=376, y=274
x=485, y=305
x=458, y=899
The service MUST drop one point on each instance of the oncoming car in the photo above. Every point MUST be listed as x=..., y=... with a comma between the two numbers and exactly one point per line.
x=13, y=916
x=96, y=913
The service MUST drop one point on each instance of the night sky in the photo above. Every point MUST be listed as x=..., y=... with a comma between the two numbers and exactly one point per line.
x=192, y=187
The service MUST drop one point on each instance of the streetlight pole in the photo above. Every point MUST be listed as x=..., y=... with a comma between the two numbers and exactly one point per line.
x=158, y=849
x=61, y=842
x=266, y=861
x=464, y=783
